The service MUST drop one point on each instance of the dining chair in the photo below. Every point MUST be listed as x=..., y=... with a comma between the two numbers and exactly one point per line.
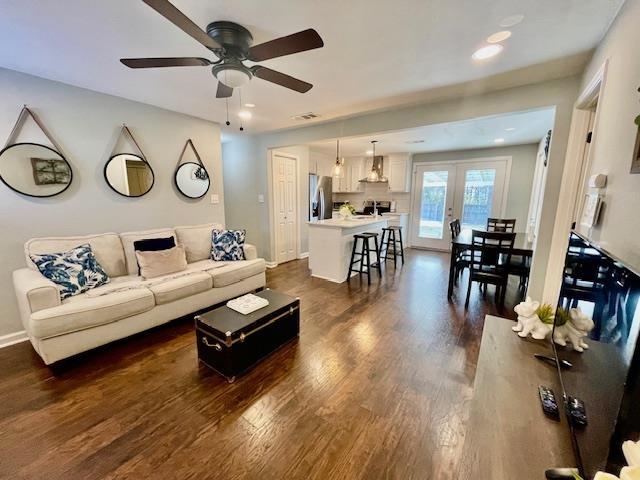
x=490, y=254
x=501, y=225
x=519, y=265
x=462, y=257
x=589, y=278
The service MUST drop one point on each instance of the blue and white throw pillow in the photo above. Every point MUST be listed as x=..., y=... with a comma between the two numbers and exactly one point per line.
x=75, y=271
x=227, y=244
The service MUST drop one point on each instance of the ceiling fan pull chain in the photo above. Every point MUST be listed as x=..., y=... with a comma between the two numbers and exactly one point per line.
x=226, y=100
x=240, y=107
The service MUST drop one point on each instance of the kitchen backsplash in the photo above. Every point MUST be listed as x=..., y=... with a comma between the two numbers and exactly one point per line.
x=375, y=191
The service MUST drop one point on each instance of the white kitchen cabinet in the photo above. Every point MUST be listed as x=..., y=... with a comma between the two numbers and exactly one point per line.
x=352, y=173
x=357, y=172
x=398, y=170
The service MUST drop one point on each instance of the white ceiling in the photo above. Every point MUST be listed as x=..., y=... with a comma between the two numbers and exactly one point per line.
x=374, y=50
x=528, y=127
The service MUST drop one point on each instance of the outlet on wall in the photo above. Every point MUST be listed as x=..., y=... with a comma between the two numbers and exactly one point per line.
x=260, y=198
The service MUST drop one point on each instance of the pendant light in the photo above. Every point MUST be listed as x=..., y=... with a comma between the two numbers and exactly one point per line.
x=373, y=174
x=338, y=171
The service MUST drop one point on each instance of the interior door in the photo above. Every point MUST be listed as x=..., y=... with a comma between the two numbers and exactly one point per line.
x=284, y=169
x=479, y=192
x=433, y=205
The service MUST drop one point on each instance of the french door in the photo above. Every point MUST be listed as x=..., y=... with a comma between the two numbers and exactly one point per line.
x=470, y=191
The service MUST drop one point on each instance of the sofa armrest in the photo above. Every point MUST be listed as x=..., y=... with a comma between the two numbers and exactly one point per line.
x=34, y=292
x=250, y=252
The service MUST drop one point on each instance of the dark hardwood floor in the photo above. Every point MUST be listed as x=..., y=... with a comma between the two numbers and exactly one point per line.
x=377, y=386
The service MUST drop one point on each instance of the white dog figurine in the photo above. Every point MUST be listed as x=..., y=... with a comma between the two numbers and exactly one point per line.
x=574, y=330
x=529, y=322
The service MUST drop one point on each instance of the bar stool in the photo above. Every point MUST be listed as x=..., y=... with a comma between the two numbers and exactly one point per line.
x=395, y=241
x=364, y=255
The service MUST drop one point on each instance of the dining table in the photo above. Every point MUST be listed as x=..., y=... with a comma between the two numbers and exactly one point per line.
x=522, y=246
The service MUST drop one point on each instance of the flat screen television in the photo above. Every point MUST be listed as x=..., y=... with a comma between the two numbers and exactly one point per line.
x=606, y=377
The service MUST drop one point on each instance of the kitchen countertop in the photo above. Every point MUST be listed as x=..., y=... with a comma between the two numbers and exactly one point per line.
x=351, y=223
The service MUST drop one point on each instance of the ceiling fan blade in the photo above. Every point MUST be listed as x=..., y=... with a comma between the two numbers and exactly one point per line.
x=294, y=43
x=281, y=79
x=223, y=91
x=165, y=62
x=180, y=20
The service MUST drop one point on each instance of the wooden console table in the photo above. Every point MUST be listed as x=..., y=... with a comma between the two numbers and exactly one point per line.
x=508, y=436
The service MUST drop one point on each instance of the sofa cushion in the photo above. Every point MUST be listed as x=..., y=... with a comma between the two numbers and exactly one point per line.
x=74, y=271
x=196, y=240
x=128, y=238
x=180, y=287
x=236, y=271
x=107, y=248
x=82, y=311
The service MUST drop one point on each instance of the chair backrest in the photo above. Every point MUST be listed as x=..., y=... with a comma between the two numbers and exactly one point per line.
x=587, y=271
x=501, y=224
x=454, y=226
x=488, y=247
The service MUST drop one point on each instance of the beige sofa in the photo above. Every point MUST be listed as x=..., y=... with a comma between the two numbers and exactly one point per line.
x=127, y=304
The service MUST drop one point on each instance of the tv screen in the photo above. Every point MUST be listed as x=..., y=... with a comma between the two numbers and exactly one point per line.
x=605, y=375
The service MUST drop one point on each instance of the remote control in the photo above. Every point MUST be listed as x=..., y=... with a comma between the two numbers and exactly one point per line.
x=577, y=412
x=548, y=401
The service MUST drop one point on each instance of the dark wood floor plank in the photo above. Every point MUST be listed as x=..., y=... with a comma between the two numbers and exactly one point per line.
x=377, y=386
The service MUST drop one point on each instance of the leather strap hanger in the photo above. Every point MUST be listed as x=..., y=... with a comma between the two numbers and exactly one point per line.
x=24, y=113
x=184, y=149
x=124, y=131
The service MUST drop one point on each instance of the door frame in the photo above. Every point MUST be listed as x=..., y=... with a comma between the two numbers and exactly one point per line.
x=271, y=195
x=507, y=179
x=574, y=176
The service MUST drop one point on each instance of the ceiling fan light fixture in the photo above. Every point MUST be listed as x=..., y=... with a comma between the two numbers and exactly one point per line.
x=234, y=76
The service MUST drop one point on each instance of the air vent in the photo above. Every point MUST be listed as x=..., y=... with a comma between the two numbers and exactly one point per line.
x=414, y=141
x=305, y=116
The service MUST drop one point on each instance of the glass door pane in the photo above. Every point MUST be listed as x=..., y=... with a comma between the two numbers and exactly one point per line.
x=433, y=203
x=477, y=202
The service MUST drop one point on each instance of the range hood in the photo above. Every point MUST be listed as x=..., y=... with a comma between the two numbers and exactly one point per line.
x=378, y=167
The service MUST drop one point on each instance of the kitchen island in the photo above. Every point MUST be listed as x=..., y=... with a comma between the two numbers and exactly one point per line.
x=331, y=241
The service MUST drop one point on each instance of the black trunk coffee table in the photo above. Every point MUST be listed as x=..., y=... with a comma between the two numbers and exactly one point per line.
x=231, y=343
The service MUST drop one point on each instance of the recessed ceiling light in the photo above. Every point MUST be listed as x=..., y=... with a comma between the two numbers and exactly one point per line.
x=369, y=152
x=244, y=114
x=511, y=20
x=487, y=52
x=499, y=140
x=499, y=36
x=250, y=105
x=510, y=129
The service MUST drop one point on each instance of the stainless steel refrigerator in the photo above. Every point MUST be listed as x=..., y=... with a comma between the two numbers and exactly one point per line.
x=320, y=197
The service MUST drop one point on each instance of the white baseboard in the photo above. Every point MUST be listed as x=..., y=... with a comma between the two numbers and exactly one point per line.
x=13, y=338
x=271, y=264
x=304, y=255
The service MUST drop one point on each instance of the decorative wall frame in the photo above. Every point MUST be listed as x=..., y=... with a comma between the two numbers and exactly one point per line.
x=33, y=169
x=129, y=174
x=190, y=178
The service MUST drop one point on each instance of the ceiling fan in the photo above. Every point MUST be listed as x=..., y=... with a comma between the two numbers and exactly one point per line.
x=232, y=44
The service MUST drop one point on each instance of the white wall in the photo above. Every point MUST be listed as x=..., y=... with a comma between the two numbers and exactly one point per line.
x=523, y=163
x=86, y=124
x=560, y=93
x=614, y=140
